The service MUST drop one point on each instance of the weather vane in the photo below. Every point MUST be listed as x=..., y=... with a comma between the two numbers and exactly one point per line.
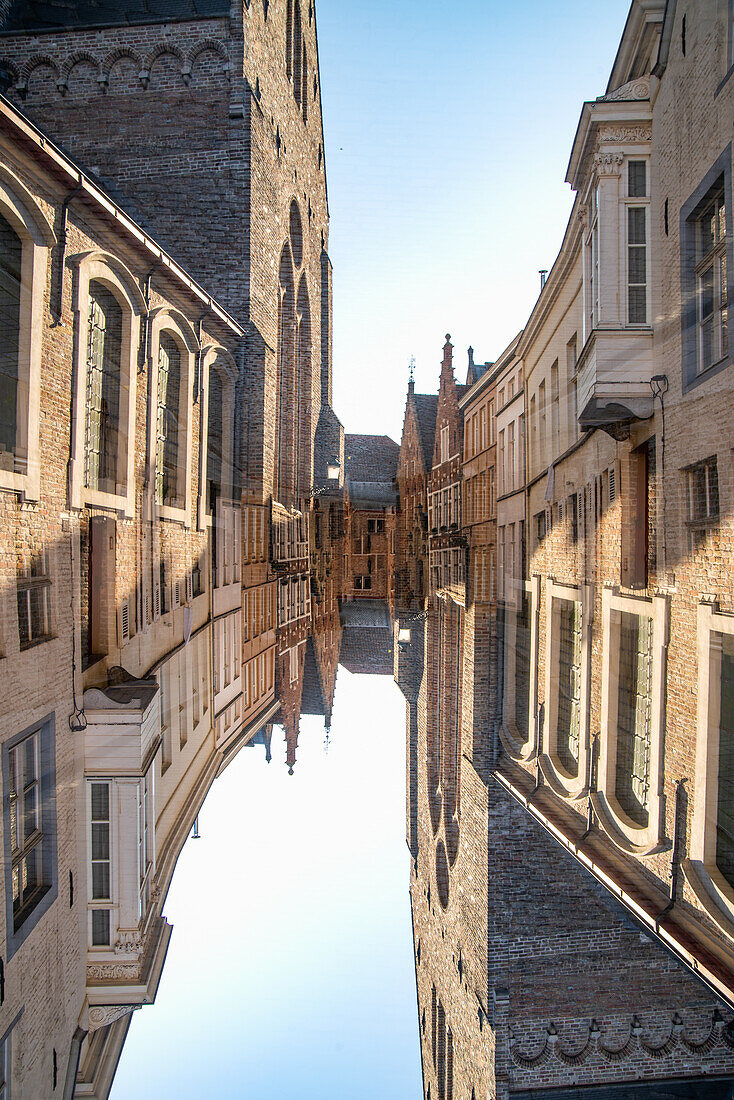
x=412, y=368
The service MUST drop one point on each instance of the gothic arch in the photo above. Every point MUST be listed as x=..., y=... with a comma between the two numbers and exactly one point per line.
x=303, y=391
x=117, y=55
x=286, y=375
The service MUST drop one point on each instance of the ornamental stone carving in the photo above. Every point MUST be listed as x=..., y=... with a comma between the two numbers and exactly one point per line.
x=113, y=972
x=625, y=135
x=633, y=89
x=129, y=943
x=102, y=1015
x=608, y=164
x=720, y=1035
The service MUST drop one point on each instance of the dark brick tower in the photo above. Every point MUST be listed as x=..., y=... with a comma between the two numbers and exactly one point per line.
x=203, y=117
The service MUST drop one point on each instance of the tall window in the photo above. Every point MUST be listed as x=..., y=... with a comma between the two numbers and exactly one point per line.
x=215, y=440
x=10, y=261
x=509, y=482
x=711, y=280
x=569, y=686
x=100, y=857
x=637, y=244
x=633, y=716
x=725, y=803
x=167, y=459
x=702, y=501
x=592, y=260
x=104, y=350
x=34, y=602
x=26, y=828
x=444, y=439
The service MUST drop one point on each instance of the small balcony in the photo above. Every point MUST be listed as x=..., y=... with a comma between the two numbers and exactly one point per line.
x=613, y=380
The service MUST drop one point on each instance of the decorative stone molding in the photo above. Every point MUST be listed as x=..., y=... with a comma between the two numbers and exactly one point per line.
x=113, y=972
x=129, y=943
x=608, y=164
x=633, y=89
x=625, y=135
x=102, y=1015
x=719, y=1036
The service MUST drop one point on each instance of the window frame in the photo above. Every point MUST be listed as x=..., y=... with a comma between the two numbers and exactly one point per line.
x=15, y=937
x=718, y=178
x=711, y=888
x=627, y=835
x=564, y=783
x=214, y=357
x=509, y=732
x=26, y=218
x=108, y=270
x=27, y=583
x=175, y=326
x=640, y=202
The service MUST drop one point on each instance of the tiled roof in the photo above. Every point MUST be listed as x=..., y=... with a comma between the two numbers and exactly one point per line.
x=371, y=457
x=366, y=493
x=426, y=405
x=367, y=641
x=39, y=15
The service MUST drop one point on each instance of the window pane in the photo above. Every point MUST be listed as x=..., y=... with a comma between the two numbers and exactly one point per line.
x=100, y=802
x=636, y=224
x=708, y=230
x=103, y=388
x=637, y=305
x=569, y=680
x=100, y=841
x=637, y=179
x=100, y=880
x=100, y=927
x=30, y=811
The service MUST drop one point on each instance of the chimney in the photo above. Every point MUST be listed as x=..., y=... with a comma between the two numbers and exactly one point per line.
x=543, y=275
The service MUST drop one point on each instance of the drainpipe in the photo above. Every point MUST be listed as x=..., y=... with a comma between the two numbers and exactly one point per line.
x=58, y=308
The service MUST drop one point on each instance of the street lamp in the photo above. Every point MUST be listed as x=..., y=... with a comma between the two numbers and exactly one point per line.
x=332, y=470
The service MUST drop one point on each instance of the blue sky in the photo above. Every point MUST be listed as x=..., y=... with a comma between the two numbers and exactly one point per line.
x=290, y=970
x=448, y=129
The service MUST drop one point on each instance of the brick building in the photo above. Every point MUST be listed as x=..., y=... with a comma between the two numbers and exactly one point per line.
x=165, y=276
x=570, y=843
x=369, y=516
x=411, y=521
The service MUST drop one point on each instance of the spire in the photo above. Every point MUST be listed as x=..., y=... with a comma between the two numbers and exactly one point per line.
x=411, y=376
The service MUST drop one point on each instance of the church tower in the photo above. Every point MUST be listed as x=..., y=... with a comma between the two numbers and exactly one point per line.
x=205, y=123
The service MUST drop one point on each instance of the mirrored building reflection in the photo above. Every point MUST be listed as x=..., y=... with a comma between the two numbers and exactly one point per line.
x=562, y=643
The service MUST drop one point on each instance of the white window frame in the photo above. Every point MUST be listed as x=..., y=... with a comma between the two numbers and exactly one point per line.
x=511, y=735
x=215, y=357
x=23, y=214
x=106, y=269
x=174, y=325
x=627, y=835
x=641, y=202
x=712, y=890
x=560, y=779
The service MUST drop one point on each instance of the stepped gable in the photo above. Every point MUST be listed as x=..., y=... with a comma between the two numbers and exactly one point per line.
x=50, y=15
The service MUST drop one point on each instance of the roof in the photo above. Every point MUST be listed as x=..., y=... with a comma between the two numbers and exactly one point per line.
x=371, y=458
x=368, y=493
x=41, y=15
x=367, y=641
x=426, y=406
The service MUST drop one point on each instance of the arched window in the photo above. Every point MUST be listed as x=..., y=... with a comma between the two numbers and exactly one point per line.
x=632, y=787
x=168, y=467
x=104, y=349
x=11, y=249
x=215, y=440
x=303, y=395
